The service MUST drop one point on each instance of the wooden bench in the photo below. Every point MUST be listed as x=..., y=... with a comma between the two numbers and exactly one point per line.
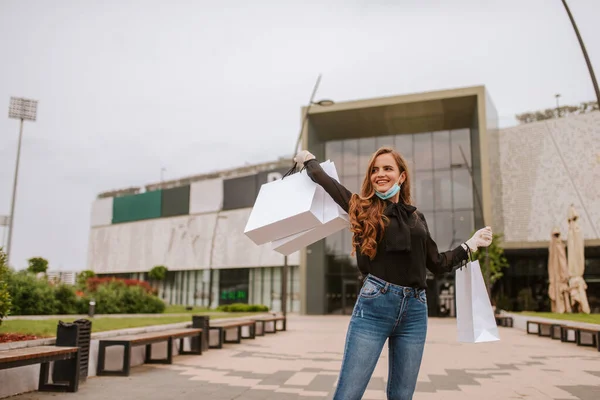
x=561, y=331
x=44, y=355
x=146, y=339
x=544, y=328
x=262, y=322
x=594, y=334
x=503, y=320
x=223, y=326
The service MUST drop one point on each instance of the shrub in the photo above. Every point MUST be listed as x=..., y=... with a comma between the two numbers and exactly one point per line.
x=117, y=296
x=83, y=277
x=5, y=301
x=241, y=307
x=94, y=283
x=66, y=299
x=31, y=296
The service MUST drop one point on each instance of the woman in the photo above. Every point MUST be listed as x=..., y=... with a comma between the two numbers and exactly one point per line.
x=393, y=247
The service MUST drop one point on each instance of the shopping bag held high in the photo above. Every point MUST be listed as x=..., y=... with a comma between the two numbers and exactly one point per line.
x=285, y=207
x=334, y=220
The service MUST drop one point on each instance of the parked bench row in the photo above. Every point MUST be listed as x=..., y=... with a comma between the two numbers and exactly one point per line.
x=223, y=329
x=68, y=359
x=567, y=332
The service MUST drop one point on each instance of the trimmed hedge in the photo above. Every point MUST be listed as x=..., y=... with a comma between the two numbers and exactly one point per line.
x=116, y=297
x=241, y=307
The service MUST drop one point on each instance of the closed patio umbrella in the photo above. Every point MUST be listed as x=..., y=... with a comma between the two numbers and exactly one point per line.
x=558, y=274
x=576, y=262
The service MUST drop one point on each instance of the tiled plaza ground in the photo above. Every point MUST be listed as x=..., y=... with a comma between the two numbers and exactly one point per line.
x=303, y=363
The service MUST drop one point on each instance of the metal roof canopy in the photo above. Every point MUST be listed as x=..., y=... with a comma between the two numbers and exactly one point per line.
x=413, y=113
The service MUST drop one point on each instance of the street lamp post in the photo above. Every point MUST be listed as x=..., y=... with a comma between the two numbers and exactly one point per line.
x=584, y=51
x=323, y=103
x=22, y=109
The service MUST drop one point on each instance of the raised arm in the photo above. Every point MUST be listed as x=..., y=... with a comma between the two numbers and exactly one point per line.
x=336, y=190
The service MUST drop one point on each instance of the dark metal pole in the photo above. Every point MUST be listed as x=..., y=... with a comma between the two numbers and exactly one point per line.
x=14, y=195
x=585, y=54
x=284, y=271
x=480, y=203
x=284, y=279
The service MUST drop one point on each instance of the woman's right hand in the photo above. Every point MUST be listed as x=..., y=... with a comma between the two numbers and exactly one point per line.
x=303, y=156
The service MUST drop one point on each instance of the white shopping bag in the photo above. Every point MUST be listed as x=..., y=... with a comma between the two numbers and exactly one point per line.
x=285, y=207
x=474, y=315
x=334, y=219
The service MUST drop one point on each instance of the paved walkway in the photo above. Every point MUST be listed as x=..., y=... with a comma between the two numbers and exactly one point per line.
x=303, y=363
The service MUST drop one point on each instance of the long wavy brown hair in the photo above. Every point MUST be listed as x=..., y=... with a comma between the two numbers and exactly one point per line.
x=367, y=221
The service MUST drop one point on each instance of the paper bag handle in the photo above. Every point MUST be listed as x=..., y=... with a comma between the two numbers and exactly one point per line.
x=469, y=256
x=292, y=170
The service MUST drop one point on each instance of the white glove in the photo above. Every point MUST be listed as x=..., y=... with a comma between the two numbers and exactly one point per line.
x=481, y=238
x=303, y=156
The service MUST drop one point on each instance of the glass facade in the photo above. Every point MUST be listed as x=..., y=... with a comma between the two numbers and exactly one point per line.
x=442, y=189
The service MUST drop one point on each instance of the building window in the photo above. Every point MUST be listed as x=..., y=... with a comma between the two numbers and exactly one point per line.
x=234, y=285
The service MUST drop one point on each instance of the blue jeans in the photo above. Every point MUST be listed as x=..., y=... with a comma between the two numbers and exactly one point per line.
x=384, y=311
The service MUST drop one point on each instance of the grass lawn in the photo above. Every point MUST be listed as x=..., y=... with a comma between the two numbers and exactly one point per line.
x=590, y=319
x=47, y=327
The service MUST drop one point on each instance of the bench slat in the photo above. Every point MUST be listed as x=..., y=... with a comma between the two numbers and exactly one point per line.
x=29, y=353
x=160, y=335
x=230, y=324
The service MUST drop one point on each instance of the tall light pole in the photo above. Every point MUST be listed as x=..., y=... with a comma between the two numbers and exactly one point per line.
x=557, y=96
x=585, y=54
x=23, y=109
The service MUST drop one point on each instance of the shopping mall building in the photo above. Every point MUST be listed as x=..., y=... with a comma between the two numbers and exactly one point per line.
x=522, y=183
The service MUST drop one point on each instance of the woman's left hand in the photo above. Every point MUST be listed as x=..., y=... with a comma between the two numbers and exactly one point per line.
x=481, y=238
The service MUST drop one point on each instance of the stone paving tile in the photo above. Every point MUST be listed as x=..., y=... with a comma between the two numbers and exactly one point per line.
x=303, y=363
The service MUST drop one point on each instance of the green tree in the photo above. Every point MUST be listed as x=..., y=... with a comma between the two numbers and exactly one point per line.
x=497, y=261
x=83, y=277
x=37, y=265
x=158, y=273
x=5, y=299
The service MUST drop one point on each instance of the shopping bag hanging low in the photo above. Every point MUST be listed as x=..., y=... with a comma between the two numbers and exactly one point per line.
x=474, y=314
x=334, y=220
x=285, y=207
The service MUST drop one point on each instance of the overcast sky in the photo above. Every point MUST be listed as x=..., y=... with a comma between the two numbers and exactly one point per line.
x=127, y=87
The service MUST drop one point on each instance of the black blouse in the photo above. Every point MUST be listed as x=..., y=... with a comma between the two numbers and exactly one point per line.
x=405, y=249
